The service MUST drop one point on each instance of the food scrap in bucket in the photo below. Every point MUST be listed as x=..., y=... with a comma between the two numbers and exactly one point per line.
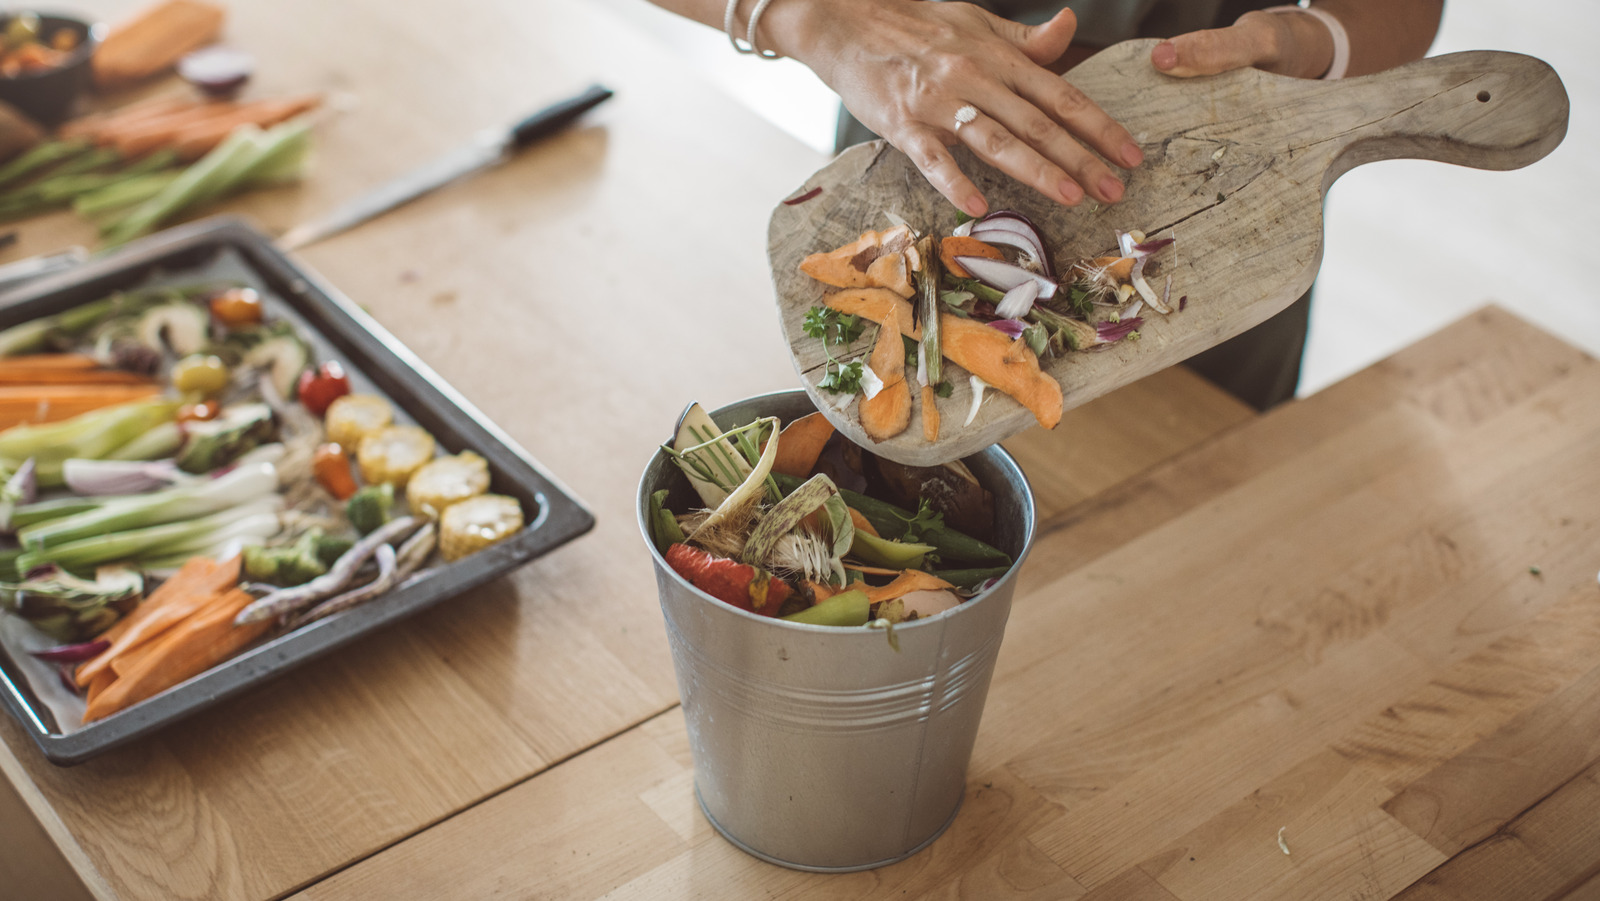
x=793, y=521
x=988, y=298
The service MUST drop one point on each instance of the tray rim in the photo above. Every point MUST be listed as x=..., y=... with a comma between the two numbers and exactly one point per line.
x=561, y=518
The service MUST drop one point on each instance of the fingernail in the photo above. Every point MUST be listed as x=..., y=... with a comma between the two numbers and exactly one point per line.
x=1070, y=192
x=1165, y=56
x=1131, y=154
x=1110, y=189
x=974, y=205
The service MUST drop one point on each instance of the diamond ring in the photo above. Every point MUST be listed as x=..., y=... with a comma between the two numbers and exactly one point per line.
x=965, y=114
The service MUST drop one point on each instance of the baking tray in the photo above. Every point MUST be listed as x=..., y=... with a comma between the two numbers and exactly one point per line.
x=337, y=329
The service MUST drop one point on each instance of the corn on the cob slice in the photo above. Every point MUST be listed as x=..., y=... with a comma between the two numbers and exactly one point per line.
x=355, y=416
x=443, y=481
x=471, y=525
x=393, y=453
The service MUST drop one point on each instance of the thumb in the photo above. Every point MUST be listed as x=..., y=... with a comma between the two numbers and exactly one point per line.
x=1206, y=52
x=1044, y=44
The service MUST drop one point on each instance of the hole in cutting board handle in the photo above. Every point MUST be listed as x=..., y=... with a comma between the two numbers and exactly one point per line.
x=1483, y=96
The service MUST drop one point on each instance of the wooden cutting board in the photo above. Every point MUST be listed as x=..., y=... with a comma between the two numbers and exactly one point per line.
x=1235, y=169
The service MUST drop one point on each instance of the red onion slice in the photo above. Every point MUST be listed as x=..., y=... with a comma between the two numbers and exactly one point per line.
x=1005, y=276
x=1150, y=247
x=72, y=653
x=1018, y=301
x=964, y=229
x=1109, y=332
x=1021, y=226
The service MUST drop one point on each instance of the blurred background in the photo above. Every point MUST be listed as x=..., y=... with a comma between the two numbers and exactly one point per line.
x=1410, y=245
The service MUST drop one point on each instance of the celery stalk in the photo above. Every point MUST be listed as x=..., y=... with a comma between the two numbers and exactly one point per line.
x=123, y=194
x=160, y=441
x=195, y=182
x=37, y=158
x=187, y=501
x=157, y=540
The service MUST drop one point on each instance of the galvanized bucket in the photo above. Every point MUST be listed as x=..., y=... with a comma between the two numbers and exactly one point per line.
x=821, y=748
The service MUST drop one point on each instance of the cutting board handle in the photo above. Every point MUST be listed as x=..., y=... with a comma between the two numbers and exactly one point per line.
x=1482, y=108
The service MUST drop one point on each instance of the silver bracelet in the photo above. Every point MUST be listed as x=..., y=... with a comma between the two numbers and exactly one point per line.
x=730, y=22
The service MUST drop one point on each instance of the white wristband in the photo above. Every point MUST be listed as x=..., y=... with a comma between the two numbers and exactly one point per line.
x=1341, y=38
x=730, y=23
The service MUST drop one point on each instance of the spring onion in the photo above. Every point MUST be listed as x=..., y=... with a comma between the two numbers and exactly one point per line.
x=186, y=501
x=258, y=519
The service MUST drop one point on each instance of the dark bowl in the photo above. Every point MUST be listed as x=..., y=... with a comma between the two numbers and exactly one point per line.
x=47, y=97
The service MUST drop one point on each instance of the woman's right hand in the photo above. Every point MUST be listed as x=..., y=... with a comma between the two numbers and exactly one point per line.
x=904, y=67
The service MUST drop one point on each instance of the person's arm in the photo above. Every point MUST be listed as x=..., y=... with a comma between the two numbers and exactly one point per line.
x=1383, y=34
x=905, y=67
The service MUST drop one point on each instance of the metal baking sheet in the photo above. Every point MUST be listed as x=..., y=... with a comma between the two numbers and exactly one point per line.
x=339, y=330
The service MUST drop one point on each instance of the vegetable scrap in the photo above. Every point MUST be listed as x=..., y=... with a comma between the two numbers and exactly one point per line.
x=28, y=47
x=182, y=479
x=987, y=298
x=767, y=525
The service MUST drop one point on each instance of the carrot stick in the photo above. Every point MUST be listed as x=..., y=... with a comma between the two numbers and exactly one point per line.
x=92, y=125
x=197, y=140
x=49, y=361
x=142, y=136
x=20, y=404
x=196, y=581
x=19, y=375
x=188, y=649
x=99, y=684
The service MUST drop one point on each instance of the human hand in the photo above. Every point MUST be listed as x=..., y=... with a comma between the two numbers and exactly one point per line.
x=1285, y=43
x=905, y=67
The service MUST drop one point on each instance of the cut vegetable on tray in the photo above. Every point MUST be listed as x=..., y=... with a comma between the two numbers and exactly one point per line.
x=987, y=298
x=795, y=522
x=183, y=479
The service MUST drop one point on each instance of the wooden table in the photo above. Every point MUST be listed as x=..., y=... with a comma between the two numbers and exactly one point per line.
x=1325, y=621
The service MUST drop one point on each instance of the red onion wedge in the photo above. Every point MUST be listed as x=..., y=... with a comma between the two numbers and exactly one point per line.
x=72, y=653
x=94, y=478
x=1005, y=276
x=1018, y=301
x=1022, y=227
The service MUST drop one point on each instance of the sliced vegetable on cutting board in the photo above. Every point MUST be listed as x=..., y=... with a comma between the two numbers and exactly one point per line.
x=1247, y=221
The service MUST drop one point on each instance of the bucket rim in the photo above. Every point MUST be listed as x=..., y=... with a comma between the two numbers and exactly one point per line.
x=1003, y=457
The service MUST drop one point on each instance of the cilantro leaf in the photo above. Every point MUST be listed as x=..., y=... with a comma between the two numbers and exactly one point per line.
x=841, y=378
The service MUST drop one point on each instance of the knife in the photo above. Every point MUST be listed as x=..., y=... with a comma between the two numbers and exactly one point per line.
x=491, y=147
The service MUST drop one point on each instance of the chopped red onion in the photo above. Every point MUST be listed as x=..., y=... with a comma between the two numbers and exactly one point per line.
x=1166, y=294
x=73, y=653
x=1125, y=243
x=218, y=71
x=1150, y=247
x=1005, y=276
x=796, y=201
x=1109, y=332
x=1018, y=301
x=964, y=229
x=1183, y=302
x=1011, y=327
x=1143, y=287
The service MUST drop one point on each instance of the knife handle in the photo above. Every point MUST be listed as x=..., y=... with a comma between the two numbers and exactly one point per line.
x=557, y=116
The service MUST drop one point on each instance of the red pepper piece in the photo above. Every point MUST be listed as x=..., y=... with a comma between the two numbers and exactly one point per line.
x=736, y=584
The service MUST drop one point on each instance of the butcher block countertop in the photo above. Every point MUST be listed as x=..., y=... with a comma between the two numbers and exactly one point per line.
x=1346, y=649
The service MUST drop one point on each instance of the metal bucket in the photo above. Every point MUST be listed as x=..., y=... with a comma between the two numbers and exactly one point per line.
x=821, y=748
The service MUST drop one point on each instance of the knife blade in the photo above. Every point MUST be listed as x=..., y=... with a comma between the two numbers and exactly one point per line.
x=489, y=148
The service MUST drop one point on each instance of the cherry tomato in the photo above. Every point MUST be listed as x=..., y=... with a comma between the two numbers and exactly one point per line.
x=322, y=386
x=237, y=306
x=203, y=411
x=331, y=466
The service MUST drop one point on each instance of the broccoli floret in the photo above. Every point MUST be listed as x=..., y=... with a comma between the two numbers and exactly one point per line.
x=331, y=547
x=286, y=565
x=369, y=508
